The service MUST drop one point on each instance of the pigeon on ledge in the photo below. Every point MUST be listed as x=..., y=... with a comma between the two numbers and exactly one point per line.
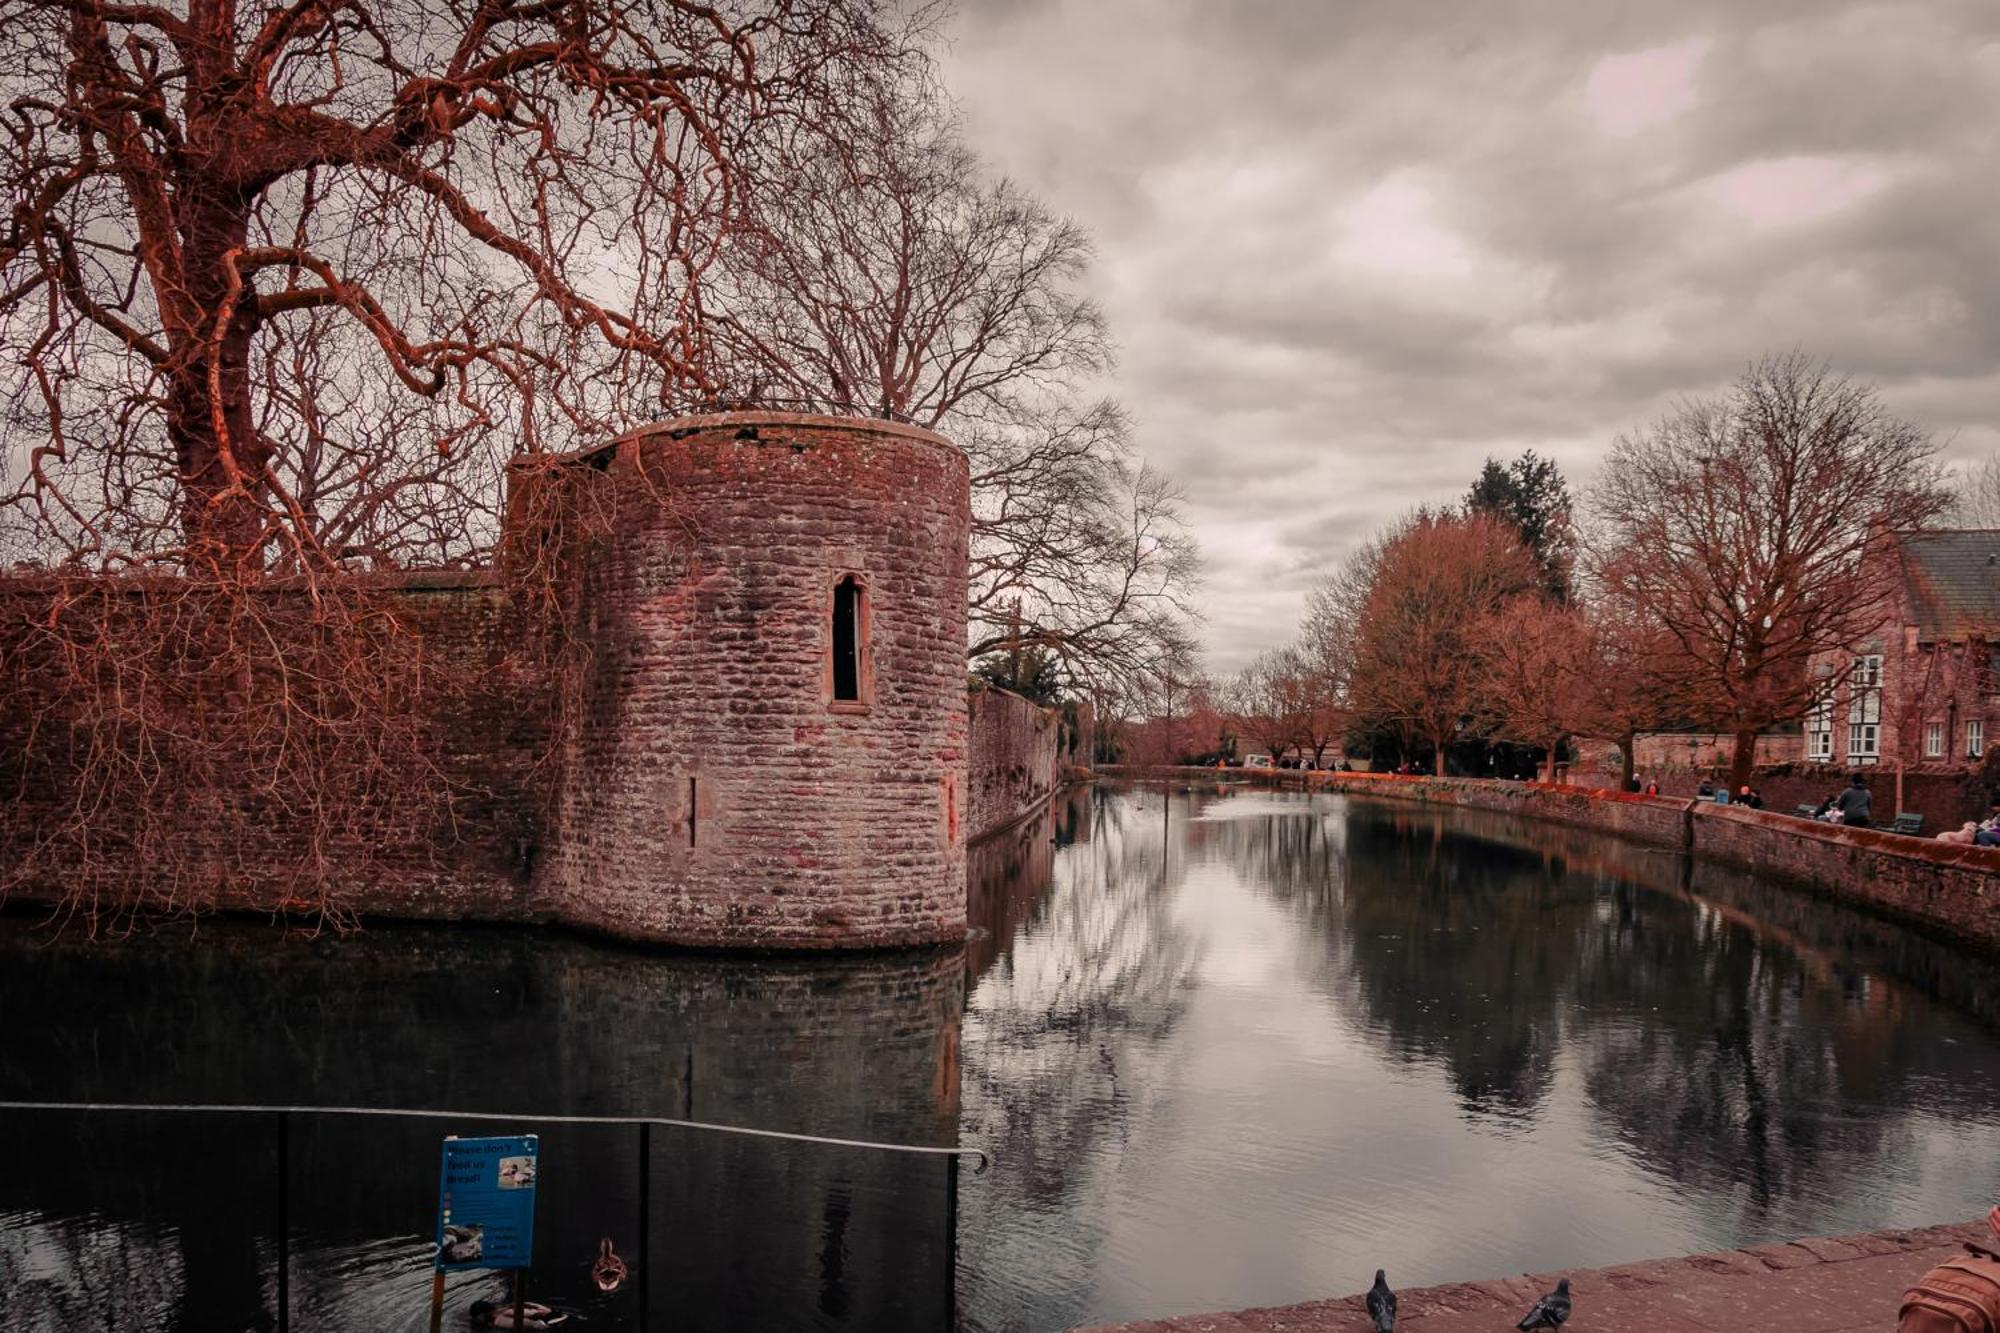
x=1551, y=1311
x=1382, y=1304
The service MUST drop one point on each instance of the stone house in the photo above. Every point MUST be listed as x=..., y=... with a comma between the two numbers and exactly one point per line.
x=1924, y=689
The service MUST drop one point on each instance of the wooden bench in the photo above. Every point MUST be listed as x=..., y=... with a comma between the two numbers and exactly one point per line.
x=1909, y=824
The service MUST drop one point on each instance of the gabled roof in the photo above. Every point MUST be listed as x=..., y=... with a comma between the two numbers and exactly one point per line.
x=1951, y=581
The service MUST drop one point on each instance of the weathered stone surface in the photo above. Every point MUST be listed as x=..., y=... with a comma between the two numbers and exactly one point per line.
x=708, y=790
x=1013, y=767
x=1941, y=887
x=405, y=859
x=717, y=793
x=1809, y=1286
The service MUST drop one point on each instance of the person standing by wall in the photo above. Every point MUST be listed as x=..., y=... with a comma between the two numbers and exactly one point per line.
x=1855, y=803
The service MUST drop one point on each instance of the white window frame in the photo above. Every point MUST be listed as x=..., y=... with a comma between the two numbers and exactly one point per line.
x=1819, y=729
x=1975, y=739
x=1864, y=710
x=1933, y=740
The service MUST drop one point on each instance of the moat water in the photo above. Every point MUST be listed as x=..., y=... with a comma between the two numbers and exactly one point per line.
x=1226, y=1046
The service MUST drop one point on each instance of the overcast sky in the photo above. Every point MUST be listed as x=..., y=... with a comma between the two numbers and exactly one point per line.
x=1349, y=248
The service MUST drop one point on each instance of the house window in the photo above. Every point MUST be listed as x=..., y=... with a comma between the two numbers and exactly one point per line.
x=847, y=630
x=1975, y=740
x=1864, y=711
x=1819, y=730
x=1933, y=740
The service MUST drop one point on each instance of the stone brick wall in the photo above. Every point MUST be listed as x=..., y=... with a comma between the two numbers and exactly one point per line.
x=717, y=794
x=395, y=860
x=1945, y=798
x=1014, y=761
x=1668, y=751
x=706, y=788
x=1653, y=820
x=1943, y=888
x=1940, y=886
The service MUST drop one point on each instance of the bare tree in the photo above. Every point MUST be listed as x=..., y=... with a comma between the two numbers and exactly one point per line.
x=193, y=192
x=1978, y=489
x=1417, y=660
x=1262, y=702
x=882, y=269
x=1077, y=550
x=1740, y=524
x=1534, y=682
x=1321, y=706
x=886, y=271
x=1634, y=678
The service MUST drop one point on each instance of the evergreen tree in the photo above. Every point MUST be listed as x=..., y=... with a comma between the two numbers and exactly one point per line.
x=1531, y=496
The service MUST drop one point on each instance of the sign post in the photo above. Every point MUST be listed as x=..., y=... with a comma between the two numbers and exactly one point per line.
x=486, y=1211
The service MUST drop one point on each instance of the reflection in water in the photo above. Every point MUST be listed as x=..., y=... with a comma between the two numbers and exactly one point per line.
x=136, y=1221
x=1325, y=1036
x=1227, y=1046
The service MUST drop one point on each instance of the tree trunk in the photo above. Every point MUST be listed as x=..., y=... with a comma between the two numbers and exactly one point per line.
x=1625, y=764
x=1553, y=746
x=1742, y=761
x=220, y=455
x=1438, y=762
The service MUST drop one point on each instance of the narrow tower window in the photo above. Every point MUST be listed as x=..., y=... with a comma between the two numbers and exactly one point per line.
x=847, y=640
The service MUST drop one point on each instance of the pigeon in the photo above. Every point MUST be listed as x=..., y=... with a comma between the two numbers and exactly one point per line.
x=1382, y=1304
x=1551, y=1311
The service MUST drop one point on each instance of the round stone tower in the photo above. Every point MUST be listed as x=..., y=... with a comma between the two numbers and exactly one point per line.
x=770, y=741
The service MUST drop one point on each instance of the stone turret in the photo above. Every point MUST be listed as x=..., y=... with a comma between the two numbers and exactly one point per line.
x=770, y=744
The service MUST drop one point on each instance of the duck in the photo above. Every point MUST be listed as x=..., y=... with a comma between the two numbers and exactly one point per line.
x=500, y=1314
x=608, y=1270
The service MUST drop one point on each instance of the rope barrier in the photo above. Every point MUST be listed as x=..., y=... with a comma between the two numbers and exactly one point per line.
x=980, y=1158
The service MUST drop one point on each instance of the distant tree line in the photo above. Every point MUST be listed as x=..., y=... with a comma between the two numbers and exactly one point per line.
x=1721, y=550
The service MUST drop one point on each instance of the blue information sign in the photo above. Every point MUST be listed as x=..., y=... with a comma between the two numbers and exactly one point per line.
x=486, y=1203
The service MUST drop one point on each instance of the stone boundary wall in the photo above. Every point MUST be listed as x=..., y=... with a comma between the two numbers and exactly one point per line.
x=474, y=864
x=700, y=776
x=1936, y=885
x=1947, y=888
x=1011, y=765
x=1832, y=1284
x=1946, y=796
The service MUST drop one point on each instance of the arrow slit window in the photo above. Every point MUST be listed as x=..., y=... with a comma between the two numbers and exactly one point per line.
x=849, y=627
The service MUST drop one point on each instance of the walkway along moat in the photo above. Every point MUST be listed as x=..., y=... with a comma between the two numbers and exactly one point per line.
x=1239, y=1052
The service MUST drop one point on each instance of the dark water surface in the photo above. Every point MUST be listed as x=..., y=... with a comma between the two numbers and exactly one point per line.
x=1242, y=1050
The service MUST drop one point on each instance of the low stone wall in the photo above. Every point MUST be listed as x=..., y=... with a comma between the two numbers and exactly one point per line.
x=1946, y=888
x=1652, y=820
x=1936, y=885
x=393, y=856
x=1011, y=764
x=1946, y=796
x=1832, y=1284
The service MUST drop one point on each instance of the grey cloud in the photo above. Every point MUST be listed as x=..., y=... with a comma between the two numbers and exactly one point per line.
x=1528, y=279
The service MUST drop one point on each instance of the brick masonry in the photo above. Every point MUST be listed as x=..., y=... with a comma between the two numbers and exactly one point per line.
x=1944, y=888
x=711, y=791
x=1838, y=1284
x=404, y=861
x=1014, y=765
x=717, y=794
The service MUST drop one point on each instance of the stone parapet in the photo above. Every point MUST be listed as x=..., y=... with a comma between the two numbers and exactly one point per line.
x=1014, y=765
x=1945, y=888
x=1836, y=1284
x=752, y=733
